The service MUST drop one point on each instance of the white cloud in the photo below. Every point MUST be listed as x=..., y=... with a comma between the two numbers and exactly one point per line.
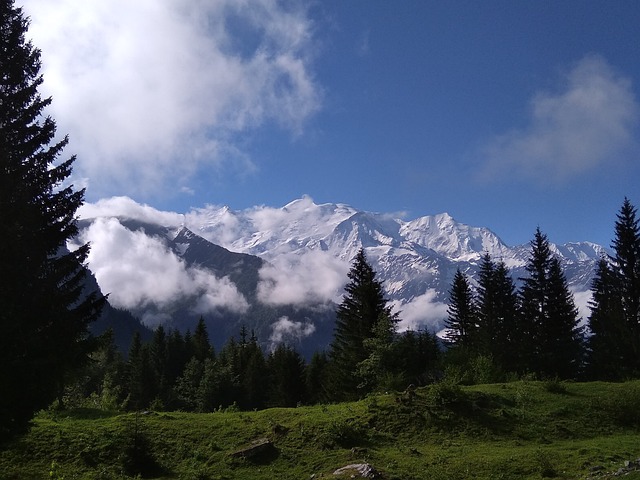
x=139, y=271
x=424, y=311
x=150, y=91
x=571, y=131
x=285, y=330
x=128, y=208
x=582, y=300
x=316, y=276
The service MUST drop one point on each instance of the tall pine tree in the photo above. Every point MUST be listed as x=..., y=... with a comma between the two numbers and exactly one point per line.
x=498, y=328
x=462, y=317
x=363, y=305
x=44, y=313
x=549, y=316
x=614, y=322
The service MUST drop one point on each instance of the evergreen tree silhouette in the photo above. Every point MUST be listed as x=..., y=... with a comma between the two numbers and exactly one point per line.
x=45, y=311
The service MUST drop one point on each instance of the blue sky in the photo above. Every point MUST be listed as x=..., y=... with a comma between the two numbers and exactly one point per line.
x=505, y=114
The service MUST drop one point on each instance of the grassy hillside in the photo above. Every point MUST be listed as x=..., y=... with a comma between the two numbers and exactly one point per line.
x=510, y=431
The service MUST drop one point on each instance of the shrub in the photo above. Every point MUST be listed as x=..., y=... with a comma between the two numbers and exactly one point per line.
x=446, y=394
x=345, y=434
x=555, y=385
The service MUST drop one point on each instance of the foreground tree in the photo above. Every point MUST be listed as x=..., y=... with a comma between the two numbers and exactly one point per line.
x=549, y=315
x=286, y=373
x=362, y=307
x=462, y=316
x=44, y=313
x=614, y=345
x=497, y=303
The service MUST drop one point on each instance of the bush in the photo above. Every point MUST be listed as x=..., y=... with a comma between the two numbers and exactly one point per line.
x=446, y=394
x=345, y=434
x=555, y=385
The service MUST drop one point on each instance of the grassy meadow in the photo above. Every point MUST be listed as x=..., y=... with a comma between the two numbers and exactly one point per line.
x=517, y=430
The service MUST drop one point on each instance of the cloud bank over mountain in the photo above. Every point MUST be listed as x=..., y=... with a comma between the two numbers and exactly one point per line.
x=139, y=272
x=305, y=251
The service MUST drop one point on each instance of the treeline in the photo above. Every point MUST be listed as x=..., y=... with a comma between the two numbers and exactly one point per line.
x=497, y=331
x=175, y=371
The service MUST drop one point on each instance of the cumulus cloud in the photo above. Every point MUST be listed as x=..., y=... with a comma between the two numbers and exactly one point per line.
x=570, y=131
x=292, y=279
x=150, y=91
x=289, y=331
x=424, y=311
x=139, y=271
x=128, y=208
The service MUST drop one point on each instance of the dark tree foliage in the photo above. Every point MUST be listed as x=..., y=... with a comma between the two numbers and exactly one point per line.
x=549, y=317
x=159, y=357
x=462, y=315
x=201, y=345
x=44, y=313
x=489, y=324
x=377, y=371
x=177, y=356
x=416, y=357
x=497, y=302
x=253, y=375
x=316, y=378
x=614, y=345
x=286, y=385
x=142, y=381
x=188, y=386
x=245, y=368
x=363, y=304
x=609, y=336
x=561, y=338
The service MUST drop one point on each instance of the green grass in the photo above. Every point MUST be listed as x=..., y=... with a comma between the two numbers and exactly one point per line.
x=510, y=431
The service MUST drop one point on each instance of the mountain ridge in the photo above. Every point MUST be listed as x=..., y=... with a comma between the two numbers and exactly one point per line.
x=296, y=257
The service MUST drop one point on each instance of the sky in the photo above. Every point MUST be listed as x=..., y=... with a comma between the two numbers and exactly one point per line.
x=506, y=114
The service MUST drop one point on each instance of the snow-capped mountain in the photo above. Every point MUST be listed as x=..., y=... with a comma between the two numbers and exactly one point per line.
x=219, y=262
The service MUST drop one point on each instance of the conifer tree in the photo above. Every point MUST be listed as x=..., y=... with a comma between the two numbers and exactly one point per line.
x=363, y=304
x=376, y=371
x=286, y=386
x=201, y=346
x=608, y=339
x=626, y=244
x=549, y=317
x=497, y=302
x=158, y=351
x=253, y=375
x=142, y=382
x=417, y=356
x=45, y=313
x=462, y=315
x=561, y=337
x=177, y=356
x=488, y=323
x=188, y=385
x=316, y=378
x=614, y=344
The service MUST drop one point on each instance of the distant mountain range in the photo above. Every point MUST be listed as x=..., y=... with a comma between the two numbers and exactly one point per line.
x=281, y=271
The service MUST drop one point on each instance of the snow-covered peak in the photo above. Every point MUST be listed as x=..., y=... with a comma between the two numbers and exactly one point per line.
x=444, y=235
x=309, y=246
